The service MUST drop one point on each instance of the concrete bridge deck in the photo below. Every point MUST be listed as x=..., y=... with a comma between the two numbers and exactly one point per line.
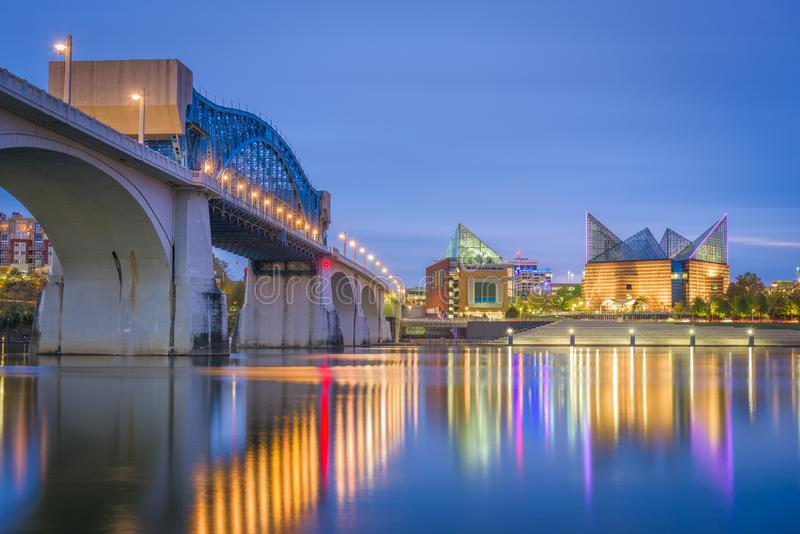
x=600, y=333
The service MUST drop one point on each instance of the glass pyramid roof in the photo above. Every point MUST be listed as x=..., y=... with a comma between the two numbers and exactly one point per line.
x=603, y=246
x=468, y=249
x=673, y=243
x=640, y=246
x=598, y=238
x=711, y=246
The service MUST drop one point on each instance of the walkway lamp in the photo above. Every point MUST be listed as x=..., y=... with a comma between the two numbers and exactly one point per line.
x=692, y=339
x=363, y=252
x=633, y=337
x=140, y=97
x=343, y=237
x=353, y=246
x=510, y=334
x=371, y=258
x=751, y=339
x=65, y=49
x=571, y=337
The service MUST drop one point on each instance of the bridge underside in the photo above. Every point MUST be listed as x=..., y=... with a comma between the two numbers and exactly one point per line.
x=240, y=232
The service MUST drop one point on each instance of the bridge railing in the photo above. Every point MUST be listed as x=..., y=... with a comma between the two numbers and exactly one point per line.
x=243, y=192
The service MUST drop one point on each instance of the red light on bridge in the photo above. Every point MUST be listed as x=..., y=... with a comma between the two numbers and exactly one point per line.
x=326, y=263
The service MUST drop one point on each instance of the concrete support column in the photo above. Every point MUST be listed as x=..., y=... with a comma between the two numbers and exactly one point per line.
x=288, y=304
x=47, y=324
x=200, y=322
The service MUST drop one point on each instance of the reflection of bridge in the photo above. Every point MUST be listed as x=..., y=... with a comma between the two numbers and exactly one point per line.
x=133, y=224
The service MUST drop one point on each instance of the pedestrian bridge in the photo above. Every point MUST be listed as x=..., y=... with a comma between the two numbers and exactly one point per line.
x=133, y=223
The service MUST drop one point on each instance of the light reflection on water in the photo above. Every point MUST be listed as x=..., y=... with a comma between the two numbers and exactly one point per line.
x=466, y=439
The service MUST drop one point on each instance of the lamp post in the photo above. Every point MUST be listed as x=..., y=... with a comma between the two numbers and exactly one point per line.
x=343, y=237
x=355, y=251
x=692, y=338
x=371, y=258
x=363, y=252
x=65, y=49
x=140, y=97
x=633, y=337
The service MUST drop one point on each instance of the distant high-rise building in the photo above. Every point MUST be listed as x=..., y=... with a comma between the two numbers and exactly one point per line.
x=23, y=244
x=656, y=274
x=528, y=277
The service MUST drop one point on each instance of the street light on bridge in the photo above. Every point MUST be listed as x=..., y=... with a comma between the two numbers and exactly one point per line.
x=353, y=246
x=140, y=97
x=371, y=258
x=343, y=237
x=65, y=49
x=363, y=252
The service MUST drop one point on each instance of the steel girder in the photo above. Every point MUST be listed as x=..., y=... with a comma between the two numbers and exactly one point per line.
x=229, y=138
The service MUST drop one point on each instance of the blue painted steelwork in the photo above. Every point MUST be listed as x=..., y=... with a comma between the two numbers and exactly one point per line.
x=221, y=138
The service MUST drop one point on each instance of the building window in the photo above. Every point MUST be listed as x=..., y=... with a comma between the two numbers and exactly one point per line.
x=713, y=287
x=440, y=278
x=628, y=286
x=485, y=292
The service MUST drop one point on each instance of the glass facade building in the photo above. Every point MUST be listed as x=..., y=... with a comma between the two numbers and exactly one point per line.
x=471, y=280
x=655, y=274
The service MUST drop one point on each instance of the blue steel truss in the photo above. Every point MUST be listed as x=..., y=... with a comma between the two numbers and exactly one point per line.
x=219, y=138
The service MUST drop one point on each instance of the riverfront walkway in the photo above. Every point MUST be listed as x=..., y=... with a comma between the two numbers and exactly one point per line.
x=599, y=333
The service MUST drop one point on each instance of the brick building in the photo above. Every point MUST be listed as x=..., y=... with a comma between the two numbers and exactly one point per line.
x=23, y=245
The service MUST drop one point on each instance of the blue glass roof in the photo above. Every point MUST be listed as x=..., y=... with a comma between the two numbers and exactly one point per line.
x=673, y=243
x=598, y=238
x=640, y=246
x=603, y=246
x=711, y=246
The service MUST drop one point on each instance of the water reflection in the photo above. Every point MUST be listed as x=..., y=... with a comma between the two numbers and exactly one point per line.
x=305, y=442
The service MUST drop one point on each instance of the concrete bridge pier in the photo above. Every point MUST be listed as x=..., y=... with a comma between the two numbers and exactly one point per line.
x=287, y=304
x=200, y=321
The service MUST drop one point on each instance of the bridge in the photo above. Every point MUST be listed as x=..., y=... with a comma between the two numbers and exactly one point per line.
x=133, y=223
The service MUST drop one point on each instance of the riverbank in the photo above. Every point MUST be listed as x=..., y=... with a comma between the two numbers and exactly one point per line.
x=606, y=333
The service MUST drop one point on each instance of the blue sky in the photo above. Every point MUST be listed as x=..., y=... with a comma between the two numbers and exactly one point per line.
x=512, y=117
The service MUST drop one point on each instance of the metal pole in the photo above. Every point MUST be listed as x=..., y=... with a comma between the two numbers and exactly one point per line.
x=141, y=117
x=68, y=71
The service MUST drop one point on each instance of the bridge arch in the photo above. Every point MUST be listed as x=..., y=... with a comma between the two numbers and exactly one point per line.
x=112, y=289
x=343, y=291
x=370, y=309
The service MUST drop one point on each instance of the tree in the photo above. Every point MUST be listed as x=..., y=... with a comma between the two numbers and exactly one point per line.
x=743, y=305
x=512, y=313
x=566, y=297
x=718, y=306
x=746, y=284
x=699, y=307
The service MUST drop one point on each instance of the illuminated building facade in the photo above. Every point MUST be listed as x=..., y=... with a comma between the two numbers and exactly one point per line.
x=472, y=279
x=23, y=244
x=653, y=275
x=528, y=277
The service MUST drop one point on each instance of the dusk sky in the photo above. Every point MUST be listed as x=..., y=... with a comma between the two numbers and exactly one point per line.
x=513, y=118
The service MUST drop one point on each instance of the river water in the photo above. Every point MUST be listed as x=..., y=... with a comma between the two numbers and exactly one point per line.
x=480, y=439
